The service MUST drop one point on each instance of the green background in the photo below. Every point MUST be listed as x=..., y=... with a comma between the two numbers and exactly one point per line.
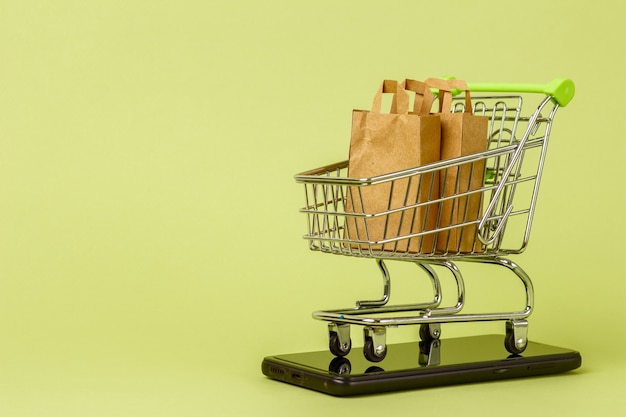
x=150, y=244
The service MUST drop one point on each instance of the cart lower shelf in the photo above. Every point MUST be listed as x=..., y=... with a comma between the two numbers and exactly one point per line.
x=375, y=315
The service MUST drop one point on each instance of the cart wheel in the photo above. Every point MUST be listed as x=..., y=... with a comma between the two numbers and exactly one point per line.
x=430, y=332
x=371, y=353
x=340, y=366
x=336, y=348
x=511, y=346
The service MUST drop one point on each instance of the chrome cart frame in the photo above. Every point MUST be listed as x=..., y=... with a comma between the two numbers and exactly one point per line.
x=512, y=167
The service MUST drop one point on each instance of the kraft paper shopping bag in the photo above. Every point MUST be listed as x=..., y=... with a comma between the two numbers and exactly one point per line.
x=384, y=143
x=462, y=133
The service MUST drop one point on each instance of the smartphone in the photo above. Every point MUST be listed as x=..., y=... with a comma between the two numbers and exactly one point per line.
x=418, y=365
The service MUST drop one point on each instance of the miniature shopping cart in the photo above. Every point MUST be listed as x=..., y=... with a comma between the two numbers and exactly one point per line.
x=511, y=167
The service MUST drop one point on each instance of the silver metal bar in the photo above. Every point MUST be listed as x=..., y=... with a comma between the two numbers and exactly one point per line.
x=362, y=320
x=315, y=176
x=538, y=178
x=386, y=289
x=507, y=171
x=460, y=285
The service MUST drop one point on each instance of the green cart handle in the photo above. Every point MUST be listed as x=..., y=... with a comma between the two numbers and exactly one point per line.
x=561, y=89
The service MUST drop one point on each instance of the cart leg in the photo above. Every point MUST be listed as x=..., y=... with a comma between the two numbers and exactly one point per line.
x=516, y=337
x=386, y=288
x=522, y=275
x=375, y=348
x=339, y=339
x=460, y=285
x=434, y=279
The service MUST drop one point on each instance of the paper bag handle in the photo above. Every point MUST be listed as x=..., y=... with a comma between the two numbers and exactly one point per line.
x=400, y=103
x=424, y=98
x=445, y=88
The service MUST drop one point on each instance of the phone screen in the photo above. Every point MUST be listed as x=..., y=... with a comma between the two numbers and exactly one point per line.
x=418, y=364
x=416, y=355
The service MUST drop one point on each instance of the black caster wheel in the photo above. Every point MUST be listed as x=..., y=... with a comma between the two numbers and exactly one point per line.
x=430, y=332
x=511, y=345
x=340, y=366
x=336, y=348
x=371, y=353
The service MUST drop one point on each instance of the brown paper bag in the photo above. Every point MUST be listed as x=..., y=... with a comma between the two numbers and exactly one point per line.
x=383, y=143
x=461, y=134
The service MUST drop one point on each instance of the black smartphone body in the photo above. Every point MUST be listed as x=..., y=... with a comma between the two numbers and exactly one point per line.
x=418, y=365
